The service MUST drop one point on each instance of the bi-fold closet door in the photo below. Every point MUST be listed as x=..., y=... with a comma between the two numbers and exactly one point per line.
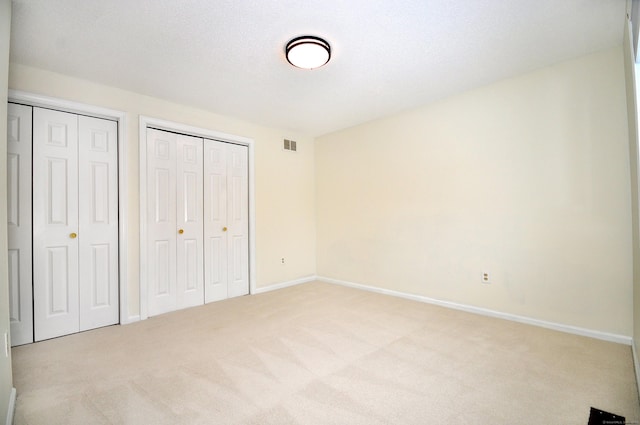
x=174, y=199
x=226, y=220
x=19, y=148
x=72, y=278
x=197, y=221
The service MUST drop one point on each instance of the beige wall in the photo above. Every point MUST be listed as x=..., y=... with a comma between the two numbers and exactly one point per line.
x=527, y=178
x=5, y=363
x=285, y=199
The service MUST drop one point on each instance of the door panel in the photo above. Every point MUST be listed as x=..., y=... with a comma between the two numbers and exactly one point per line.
x=16, y=312
x=163, y=208
x=55, y=222
x=215, y=212
x=98, y=222
x=197, y=216
x=161, y=217
x=101, y=295
x=226, y=220
x=164, y=261
x=192, y=262
x=19, y=135
x=57, y=281
x=189, y=260
x=238, y=220
x=74, y=229
x=58, y=191
x=13, y=189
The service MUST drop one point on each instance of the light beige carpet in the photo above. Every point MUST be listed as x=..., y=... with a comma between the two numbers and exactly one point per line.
x=322, y=354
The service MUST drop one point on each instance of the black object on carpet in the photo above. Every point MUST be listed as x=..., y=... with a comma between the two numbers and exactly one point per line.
x=600, y=417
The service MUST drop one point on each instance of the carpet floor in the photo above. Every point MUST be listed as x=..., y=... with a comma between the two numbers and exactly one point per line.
x=322, y=354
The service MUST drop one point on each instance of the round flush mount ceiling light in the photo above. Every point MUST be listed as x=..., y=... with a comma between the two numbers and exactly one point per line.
x=308, y=52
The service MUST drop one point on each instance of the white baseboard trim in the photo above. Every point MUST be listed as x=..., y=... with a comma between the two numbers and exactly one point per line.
x=11, y=408
x=636, y=365
x=131, y=319
x=620, y=339
x=287, y=284
x=272, y=287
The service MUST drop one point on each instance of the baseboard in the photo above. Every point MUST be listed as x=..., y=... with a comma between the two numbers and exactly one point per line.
x=636, y=365
x=11, y=408
x=272, y=287
x=620, y=339
x=131, y=319
x=287, y=284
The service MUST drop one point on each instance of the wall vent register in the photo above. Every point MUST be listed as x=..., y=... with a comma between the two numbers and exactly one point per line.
x=290, y=145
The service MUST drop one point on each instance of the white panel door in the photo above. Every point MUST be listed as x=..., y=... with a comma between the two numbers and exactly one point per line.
x=19, y=223
x=226, y=220
x=98, y=218
x=215, y=213
x=161, y=221
x=174, y=201
x=197, y=221
x=237, y=220
x=189, y=260
x=55, y=223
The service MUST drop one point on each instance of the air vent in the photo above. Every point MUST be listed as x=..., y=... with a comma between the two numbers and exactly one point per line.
x=290, y=145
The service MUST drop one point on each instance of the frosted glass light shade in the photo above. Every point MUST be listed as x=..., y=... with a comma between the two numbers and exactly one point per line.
x=308, y=52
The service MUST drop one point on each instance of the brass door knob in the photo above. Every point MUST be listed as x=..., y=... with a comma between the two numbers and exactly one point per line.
x=224, y=229
x=73, y=235
x=181, y=231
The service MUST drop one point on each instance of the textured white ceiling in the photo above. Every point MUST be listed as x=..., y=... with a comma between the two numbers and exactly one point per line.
x=227, y=56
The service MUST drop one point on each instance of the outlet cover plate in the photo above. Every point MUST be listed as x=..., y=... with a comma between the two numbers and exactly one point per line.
x=486, y=277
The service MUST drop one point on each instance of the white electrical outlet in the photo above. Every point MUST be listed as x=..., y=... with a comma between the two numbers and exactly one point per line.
x=486, y=277
x=282, y=260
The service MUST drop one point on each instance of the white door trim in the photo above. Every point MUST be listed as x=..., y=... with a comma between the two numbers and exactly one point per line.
x=149, y=122
x=120, y=117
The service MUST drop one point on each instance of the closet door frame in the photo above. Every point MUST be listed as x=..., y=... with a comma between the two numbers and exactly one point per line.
x=120, y=117
x=159, y=124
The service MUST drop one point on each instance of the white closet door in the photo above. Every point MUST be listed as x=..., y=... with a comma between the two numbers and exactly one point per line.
x=161, y=221
x=226, y=220
x=237, y=220
x=55, y=223
x=98, y=228
x=19, y=223
x=189, y=260
x=215, y=213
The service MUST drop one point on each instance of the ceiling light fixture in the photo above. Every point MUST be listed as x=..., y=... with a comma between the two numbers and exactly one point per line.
x=308, y=52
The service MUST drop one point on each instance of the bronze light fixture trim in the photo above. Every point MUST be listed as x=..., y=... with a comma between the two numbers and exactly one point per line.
x=308, y=52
